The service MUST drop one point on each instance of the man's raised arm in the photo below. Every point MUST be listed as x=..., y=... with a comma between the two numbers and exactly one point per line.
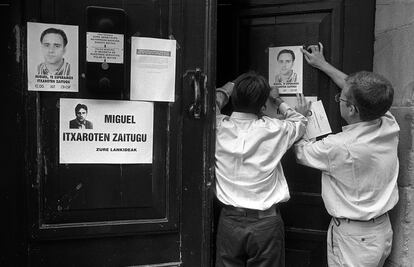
x=316, y=59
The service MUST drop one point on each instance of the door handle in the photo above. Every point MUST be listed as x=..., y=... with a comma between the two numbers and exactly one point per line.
x=198, y=82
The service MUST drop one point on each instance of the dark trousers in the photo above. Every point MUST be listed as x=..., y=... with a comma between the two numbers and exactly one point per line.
x=250, y=238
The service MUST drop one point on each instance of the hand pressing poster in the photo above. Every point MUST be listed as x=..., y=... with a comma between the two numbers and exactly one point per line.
x=318, y=124
x=286, y=69
x=52, y=57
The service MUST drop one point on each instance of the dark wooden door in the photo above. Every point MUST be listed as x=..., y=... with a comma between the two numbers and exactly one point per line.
x=119, y=214
x=246, y=29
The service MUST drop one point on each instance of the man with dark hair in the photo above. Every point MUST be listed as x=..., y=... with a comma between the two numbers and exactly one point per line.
x=53, y=43
x=81, y=111
x=286, y=59
x=249, y=177
x=359, y=167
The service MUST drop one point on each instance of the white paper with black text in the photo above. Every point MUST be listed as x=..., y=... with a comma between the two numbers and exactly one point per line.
x=318, y=123
x=153, y=69
x=105, y=131
x=104, y=47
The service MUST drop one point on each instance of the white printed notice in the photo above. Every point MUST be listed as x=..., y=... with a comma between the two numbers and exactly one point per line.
x=105, y=131
x=318, y=123
x=104, y=47
x=152, y=69
x=52, y=57
x=286, y=69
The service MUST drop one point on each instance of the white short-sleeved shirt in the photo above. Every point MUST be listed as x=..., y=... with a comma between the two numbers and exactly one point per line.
x=359, y=168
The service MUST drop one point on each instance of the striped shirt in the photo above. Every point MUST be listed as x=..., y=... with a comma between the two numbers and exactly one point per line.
x=63, y=70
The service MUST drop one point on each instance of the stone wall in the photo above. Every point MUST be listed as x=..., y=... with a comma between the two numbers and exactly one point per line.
x=394, y=58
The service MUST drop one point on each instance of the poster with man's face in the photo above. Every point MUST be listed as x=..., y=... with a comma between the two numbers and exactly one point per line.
x=52, y=57
x=105, y=131
x=286, y=69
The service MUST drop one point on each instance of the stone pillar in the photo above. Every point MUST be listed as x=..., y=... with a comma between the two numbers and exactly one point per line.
x=394, y=58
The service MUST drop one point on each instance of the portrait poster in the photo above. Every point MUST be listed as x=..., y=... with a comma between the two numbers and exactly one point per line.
x=286, y=69
x=52, y=57
x=153, y=69
x=105, y=131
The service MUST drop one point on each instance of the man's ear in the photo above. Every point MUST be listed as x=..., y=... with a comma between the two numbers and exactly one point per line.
x=353, y=111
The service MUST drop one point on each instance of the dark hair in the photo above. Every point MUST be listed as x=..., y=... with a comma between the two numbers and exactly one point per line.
x=371, y=93
x=56, y=31
x=250, y=93
x=79, y=106
x=286, y=51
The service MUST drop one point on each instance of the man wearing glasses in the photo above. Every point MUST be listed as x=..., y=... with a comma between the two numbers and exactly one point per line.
x=359, y=166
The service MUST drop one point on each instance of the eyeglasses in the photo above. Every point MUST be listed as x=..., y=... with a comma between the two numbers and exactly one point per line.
x=338, y=99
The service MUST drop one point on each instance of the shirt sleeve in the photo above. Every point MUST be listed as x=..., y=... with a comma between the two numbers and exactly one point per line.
x=295, y=123
x=314, y=154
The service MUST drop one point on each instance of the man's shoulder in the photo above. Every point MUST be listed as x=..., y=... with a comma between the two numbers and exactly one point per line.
x=88, y=124
x=336, y=139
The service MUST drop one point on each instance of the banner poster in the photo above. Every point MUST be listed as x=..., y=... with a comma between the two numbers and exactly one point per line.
x=152, y=69
x=52, y=57
x=286, y=69
x=105, y=131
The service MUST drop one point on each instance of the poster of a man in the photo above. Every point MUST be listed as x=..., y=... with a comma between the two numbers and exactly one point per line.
x=285, y=69
x=80, y=122
x=52, y=57
x=286, y=59
x=122, y=131
x=53, y=43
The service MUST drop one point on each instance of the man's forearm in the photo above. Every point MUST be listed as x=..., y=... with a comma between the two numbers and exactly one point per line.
x=337, y=76
x=221, y=100
x=223, y=95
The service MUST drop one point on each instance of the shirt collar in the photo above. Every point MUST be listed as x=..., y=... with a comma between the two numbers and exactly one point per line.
x=244, y=116
x=349, y=127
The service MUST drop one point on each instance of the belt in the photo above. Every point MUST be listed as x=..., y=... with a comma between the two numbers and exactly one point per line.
x=270, y=212
x=338, y=220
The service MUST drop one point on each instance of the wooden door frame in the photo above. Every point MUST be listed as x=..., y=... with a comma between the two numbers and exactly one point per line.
x=197, y=246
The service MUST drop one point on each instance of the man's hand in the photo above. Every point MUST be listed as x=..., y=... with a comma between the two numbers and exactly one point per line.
x=315, y=58
x=303, y=106
x=274, y=96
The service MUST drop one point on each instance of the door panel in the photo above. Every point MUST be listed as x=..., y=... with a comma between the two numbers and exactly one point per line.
x=246, y=29
x=297, y=24
x=125, y=214
x=87, y=196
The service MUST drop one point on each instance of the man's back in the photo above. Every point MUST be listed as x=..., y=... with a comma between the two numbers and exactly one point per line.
x=248, y=154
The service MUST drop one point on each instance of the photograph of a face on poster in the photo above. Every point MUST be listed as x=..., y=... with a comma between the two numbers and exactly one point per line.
x=286, y=69
x=52, y=57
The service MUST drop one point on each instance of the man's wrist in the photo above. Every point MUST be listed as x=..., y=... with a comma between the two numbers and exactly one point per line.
x=228, y=88
x=224, y=92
